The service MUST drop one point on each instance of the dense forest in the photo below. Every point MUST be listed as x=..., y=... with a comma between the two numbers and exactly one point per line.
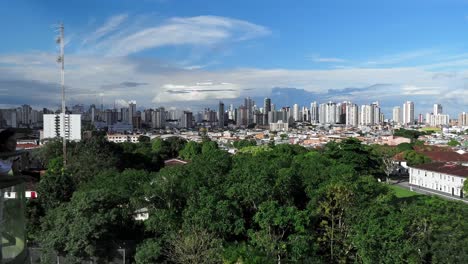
x=265, y=204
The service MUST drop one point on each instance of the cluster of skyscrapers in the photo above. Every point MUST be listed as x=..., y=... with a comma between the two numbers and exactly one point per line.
x=128, y=118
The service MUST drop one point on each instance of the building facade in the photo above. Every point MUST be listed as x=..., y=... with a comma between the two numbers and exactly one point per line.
x=53, y=126
x=447, y=178
x=408, y=113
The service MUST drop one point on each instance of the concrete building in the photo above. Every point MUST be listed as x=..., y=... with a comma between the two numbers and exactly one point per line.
x=437, y=109
x=26, y=114
x=408, y=113
x=314, y=112
x=442, y=177
x=221, y=115
x=120, y=138
x=158, y=119
x=279, y=126
x=296, y=113
x=463, y=119
x=186, y=120
x=266, y=105
x=124, y=115
x=249, y=106
x=131, y=111
x=437, y=120
x=327, y=113
x=377, y=113
x=242, y=116
x=53, y=126
x=367, y=115
x=396, y=115
x=352, y=115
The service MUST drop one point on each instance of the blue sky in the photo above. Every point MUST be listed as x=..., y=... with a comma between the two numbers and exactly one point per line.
x=168, y=52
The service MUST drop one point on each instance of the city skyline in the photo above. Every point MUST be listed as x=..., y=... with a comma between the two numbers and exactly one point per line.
x=332, y=113
x=162, y=53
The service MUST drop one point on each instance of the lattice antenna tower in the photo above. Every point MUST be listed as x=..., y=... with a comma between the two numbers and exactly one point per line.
x=60, y=40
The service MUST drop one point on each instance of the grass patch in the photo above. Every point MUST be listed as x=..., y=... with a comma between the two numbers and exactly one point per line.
x=401, y=192
x=431, y=129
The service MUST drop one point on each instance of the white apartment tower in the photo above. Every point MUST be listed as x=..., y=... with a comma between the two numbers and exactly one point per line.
x=437, y=109
x=367, y=115
x=314, y=112
x=397, y=114
x=53, y=126
x=327, y=113
x=463, y=119
x=352, y=115
x=408, y=113
x=376, y=110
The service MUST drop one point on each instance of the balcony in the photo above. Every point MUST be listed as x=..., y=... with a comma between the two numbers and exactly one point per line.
x=12, y=222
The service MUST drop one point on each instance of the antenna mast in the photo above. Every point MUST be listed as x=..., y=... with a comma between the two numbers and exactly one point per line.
x=61, y=60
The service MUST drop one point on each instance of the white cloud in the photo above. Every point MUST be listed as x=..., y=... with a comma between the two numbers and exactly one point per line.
x=327, y=60
x=111, y=25
x=201, y=91
x=195, y=31
x=400, y=57
x=419, y=90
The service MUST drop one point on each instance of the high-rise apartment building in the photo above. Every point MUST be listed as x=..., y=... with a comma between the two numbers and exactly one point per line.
x=221, y=115
x=131, y=111
x=397, y=115
x=249, y=106
x=408, y=113
x=159, y=118
x=242, y=116
x=340, y=113
x=186, y=120
x=437, y=120
x=367, y=115
x=376, y=112
x=327, y=113
x=296, y=113
x=314, y=112
x=266, y=105
x=437, y=109
x=352, y=115
x=463, y=119
x=53, y=126
x=26, y=114
x=305, y=114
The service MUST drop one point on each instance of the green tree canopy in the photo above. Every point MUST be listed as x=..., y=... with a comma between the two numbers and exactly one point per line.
x=414, y=158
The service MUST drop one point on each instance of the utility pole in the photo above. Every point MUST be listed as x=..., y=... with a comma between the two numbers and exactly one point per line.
x=61, y=59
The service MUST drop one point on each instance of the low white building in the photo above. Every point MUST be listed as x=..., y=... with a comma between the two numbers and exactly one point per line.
x=279, y=126
x=120, y=138
x=442, y=177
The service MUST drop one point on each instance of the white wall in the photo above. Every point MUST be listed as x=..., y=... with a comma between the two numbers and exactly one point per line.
x=74, y=126
x=436, y=181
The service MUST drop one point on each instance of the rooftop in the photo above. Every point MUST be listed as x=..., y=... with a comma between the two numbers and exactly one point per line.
x=448, y=168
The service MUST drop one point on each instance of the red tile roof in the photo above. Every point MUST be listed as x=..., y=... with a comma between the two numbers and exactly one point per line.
x=447, y=168
x=445, y=156
x=27, y=146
